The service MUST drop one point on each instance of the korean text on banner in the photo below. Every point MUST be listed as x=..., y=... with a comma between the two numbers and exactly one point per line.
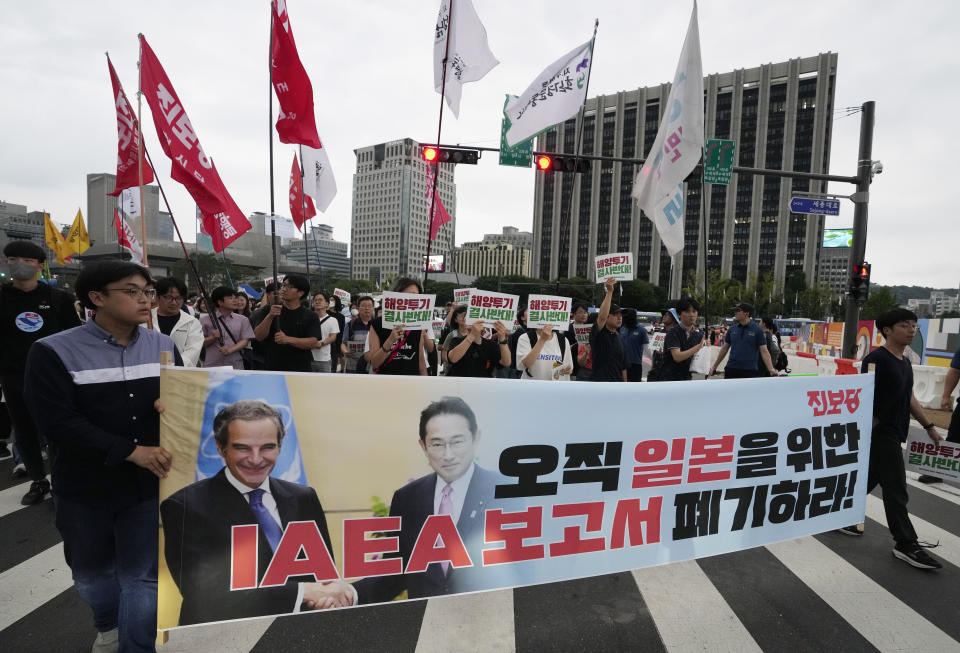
x=540, y=500
x=461, y=295
x=491, y=307
x=940, y=459
x=582, y=333
x=548, y=309
x=414, y=312
x=619, y=266
x=129, y=161
x=344, y=295
x=658, y=187
x=556, y=94
x=295, y=122
x=468, y=58
x=190, y=165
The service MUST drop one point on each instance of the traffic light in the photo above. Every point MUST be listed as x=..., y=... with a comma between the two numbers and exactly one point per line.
x=431, y=153
x=860, y=282
x=562, y=163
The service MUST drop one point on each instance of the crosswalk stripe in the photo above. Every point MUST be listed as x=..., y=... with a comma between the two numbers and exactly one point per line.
x=941, y=490
x=949, y=548
x=881, y=618
x=675, y=592
x=10, y=498
x=32, y=583
x=236, y=637
x=474, y=623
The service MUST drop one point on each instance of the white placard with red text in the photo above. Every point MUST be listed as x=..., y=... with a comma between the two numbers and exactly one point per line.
x=548, y=309
x=619, y=266
x=491, y=307
x=414, y=312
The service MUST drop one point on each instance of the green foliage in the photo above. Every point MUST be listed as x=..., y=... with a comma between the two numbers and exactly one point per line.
x=379, y=508
x=442, y=289
x=881, y=299
x=816, y=302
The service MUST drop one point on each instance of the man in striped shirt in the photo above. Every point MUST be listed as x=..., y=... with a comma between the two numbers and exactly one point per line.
x=93, y=391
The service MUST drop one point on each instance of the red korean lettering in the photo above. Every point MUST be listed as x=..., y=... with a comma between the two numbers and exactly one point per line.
x=631, y=519
x=514, y=550
x=572, y=542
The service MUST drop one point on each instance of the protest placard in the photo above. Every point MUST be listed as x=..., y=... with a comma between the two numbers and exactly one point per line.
x=414, y=312
x=461, y=295
x=546, y=500
x=656, y=342
x=701, y=362
x=548, y=309
x=268, y=280
x=343, y=295
x=940, y=459
x=437, y=329
x=491, y=307
x=582, y=333
x=618, y=266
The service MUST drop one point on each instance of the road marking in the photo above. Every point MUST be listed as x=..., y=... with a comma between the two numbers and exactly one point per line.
x=238, y=636
x=489, y=626
x=676, y=591
x=941, y=490
x=883, y=620
x=10, y=498
x=949, y=548
x=32, y=583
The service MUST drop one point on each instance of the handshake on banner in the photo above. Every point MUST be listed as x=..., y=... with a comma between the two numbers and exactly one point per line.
x=328, y=594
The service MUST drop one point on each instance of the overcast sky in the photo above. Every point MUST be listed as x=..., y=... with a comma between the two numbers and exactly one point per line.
x=370, y=62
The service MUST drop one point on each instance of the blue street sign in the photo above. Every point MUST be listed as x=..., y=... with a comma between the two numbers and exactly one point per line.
x=814, y=206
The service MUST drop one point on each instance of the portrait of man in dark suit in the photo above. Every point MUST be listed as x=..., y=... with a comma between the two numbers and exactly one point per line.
x=198, y=522
x=457, y=486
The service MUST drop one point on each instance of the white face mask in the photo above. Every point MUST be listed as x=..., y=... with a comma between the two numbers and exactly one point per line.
x=354, y=312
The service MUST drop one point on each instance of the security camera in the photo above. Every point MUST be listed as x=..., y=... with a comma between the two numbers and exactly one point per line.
x=877, y=167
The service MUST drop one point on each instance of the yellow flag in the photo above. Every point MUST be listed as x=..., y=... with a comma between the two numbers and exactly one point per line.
x=77, y=241
x=54, y=240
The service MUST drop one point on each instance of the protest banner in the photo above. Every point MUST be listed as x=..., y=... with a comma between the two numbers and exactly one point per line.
x=343, y=295
x=656, y=342
x=268, y=280
x=437, y=329
x=414, y=312
x=491, y=307
x=461, y=295
x=701, y=362
x=545, y=500
x=940, y=459
x=618, y=266
x=548, y=309
x=582, y=333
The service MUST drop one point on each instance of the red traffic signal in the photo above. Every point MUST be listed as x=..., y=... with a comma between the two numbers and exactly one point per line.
x=544, y=162
x=430, y=154
x=562, y=163
x=862, y=271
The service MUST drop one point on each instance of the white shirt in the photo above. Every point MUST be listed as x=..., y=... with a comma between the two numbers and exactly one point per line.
x=548, y=363
x=329, y=326
x=457, y=496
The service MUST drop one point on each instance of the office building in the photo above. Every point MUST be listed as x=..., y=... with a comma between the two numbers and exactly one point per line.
x=496, y=259
x=834, y=268
x=780, y=116
x=321, y=250
x=100, y=207
x=389, y=222
x=511, y=235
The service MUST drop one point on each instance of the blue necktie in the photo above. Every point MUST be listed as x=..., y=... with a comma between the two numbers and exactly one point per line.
x=269, y=525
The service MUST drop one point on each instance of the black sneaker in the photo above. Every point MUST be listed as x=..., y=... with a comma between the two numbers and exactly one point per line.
x=4, y=451
x=850, y=530
x=38, y=490
x=914, y=555
x=927, y=479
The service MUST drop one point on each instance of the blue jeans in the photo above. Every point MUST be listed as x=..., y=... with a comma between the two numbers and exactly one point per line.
x=112, y=553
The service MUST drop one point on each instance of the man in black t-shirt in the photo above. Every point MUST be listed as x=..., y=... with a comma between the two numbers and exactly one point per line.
x=682, y=343
x=893, y=403
x=289, y=330
x=609, y=361
x=29, y=310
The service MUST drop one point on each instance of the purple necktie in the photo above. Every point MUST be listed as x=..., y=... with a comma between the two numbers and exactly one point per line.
x=446, y=507
x=269, y=525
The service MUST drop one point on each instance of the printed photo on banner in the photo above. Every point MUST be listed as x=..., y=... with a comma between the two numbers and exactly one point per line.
x=618, y=266
x=491, y=307
x=940, y=459
x=414, y=312
x=461, y=295
x=279, y=503
x=548, y=309
x=582, y=333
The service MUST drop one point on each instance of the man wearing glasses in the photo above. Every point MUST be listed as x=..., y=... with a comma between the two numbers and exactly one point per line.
x=457, y=487
x=169, y=319
x=93, y=391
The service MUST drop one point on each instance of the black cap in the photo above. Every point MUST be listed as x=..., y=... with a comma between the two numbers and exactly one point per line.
x=745, y=307
x=614, y=308
x=24, y=249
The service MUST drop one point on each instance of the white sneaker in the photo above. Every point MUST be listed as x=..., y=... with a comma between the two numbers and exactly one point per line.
x=107, y=642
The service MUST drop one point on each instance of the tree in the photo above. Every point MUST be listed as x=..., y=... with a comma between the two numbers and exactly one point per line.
x=815, y=302
x=442, y=289
x=881, y=299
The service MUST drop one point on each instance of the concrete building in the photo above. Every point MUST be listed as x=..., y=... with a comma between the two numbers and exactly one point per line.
x=781, y=116
x=834, y=269
x=389, y=222
x=321, y=250
x=100, y=208
x=511, y=235
x=496, y=259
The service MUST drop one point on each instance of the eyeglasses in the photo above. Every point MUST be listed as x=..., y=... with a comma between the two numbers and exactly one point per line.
x=134, y=293
x=171, y=298
x=457, y=446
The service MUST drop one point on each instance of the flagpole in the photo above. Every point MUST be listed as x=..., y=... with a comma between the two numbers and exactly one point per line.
x=273, y=220
x=581, y=117
x=703, y=218
x=303, y=207
x=436, y=162
x=143, y=213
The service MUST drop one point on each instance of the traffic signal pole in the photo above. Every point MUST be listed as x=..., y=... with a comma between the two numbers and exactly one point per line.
x=858, y=247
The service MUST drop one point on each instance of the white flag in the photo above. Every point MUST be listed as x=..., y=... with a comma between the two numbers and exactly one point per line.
x=556, y=94
x=127, y=239
x=130, y=201
x=678, y=147
x=469, y=57
x=318, y=181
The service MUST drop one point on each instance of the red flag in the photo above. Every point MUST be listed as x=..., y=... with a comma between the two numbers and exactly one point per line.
x=190, y=164
x=128, y=140
x=296, y=123
x=296, y=197
x=440, y=215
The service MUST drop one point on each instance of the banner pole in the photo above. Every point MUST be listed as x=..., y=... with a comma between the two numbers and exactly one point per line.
x=580, y=118
x=143, y=213
x=305, y=225
x=273, y=220
x=436, y=162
